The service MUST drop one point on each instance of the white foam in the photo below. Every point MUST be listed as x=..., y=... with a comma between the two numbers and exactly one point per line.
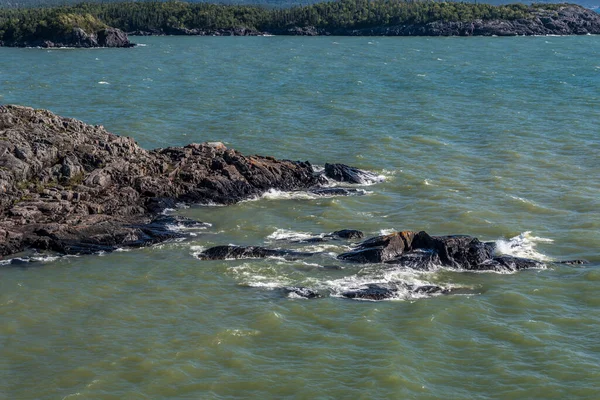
x=196, y=250
x=182, y=228
x=287, y=234
x=387, y=278
x=524, y=200
x=275, y=194
x=523, y=245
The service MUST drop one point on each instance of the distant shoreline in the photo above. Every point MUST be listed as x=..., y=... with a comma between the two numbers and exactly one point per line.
x=86, y=25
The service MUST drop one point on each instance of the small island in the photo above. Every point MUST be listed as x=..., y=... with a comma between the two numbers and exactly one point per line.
x=105, y=24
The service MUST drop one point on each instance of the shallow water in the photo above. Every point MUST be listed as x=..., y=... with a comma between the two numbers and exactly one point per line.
x=491, y=137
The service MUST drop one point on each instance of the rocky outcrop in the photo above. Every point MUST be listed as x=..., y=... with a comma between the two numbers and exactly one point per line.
x=569, y=19
x=75, y=188
x=419, y=250
x=416, y=250
x=77, y=37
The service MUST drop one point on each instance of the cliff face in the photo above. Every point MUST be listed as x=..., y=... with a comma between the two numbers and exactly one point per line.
x=73, y=188
x=77, y=37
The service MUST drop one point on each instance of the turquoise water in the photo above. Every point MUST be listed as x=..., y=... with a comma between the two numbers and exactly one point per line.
x=491, y=137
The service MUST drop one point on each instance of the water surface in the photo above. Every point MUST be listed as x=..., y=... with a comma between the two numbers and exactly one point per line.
x=491, y=137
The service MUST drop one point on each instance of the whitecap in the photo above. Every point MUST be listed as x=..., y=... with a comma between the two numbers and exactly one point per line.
x=287, y=234
x=523, y=245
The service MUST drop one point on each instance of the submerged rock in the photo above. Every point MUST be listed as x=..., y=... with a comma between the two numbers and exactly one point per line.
x=230, y=252
x=393, y=290
x=344, y=173
x=573, y=262
x=348, y=234
x=303, y=292
x=337, y=191
x=341, y=234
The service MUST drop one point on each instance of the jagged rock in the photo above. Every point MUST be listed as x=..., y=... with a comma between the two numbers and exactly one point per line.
x=419, y=250
x=95, y=190
x=77, y=37
x=112, y=37
x=456, y=251
x=228, y=252
x=380, y=248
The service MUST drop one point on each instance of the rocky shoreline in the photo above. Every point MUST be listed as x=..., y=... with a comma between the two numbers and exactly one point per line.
x=568, y=20
x=73, y=188
x=78, y=38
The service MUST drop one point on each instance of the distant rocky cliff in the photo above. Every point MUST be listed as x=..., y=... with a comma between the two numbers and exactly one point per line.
x=77, y=37
x=568, y=20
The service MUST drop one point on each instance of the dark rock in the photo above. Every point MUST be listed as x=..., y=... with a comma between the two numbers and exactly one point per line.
x=419, y=250
x=344, y=173
x=336, y=191
x=302, y=292
x=572, y=262
x=77, y=37
x=393, y=290
x=348, y=234
x=508, y=264
x=380, y=248
x=342, y=234
x=75, y=188
x=229, y=252
x=112, y=37
x=417, y=259
x=456, y=251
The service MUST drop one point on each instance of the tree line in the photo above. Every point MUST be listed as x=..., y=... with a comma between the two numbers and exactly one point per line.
x=165, y=16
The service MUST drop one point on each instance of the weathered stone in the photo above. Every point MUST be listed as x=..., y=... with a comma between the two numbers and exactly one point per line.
x=102, y=190
x=380, y=248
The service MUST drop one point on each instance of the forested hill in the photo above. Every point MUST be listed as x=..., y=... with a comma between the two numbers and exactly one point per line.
x=269, y=3
x=344, y=17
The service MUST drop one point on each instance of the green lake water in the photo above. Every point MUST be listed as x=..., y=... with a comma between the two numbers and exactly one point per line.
x=496, y=138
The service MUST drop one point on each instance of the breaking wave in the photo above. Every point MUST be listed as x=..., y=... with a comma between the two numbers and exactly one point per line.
x=523, y=245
